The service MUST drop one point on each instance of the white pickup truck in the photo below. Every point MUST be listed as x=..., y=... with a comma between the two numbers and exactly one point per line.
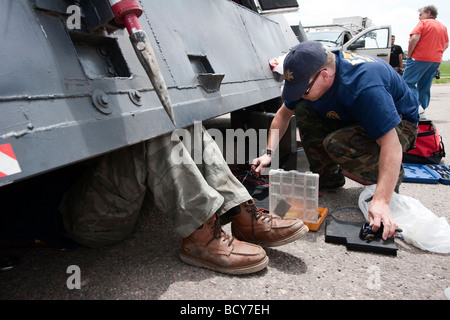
x=374, y=41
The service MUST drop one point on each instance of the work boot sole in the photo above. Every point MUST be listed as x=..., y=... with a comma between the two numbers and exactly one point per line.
x=300, y=233
x=228, y=270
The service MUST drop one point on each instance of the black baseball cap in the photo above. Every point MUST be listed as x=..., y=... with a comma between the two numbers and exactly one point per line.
x=299, y=65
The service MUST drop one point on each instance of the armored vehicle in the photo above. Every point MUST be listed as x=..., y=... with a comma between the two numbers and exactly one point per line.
x=81, y=78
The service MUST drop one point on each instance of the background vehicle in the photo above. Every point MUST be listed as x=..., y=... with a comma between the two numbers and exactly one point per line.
x=374, y=41
x=354, y=34
x=333, y=39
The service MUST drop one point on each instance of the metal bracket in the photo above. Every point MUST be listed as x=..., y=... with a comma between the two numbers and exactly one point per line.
x=210, y=81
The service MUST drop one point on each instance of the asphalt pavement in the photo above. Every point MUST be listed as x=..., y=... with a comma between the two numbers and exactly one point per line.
x=147, y=267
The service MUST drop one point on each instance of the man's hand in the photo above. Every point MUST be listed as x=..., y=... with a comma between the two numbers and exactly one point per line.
x=260, y=163
x=379, y=212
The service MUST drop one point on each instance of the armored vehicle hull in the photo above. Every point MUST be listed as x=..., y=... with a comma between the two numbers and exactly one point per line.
x=72, y=87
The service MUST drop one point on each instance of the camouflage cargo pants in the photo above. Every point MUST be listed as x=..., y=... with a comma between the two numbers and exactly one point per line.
x=103, y=207
x=328, y=144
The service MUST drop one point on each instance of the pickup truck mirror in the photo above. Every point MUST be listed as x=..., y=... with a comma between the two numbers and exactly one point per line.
x=358, y=44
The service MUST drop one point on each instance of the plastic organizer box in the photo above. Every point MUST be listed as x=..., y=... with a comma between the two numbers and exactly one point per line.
x=294, y=194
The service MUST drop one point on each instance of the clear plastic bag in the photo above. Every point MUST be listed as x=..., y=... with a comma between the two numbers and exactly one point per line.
x=421, y=227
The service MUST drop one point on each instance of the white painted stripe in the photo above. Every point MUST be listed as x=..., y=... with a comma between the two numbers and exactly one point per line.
x=9, y=165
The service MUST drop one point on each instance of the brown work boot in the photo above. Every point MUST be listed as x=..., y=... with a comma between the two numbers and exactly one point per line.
x=210, y=247
x=267, y=230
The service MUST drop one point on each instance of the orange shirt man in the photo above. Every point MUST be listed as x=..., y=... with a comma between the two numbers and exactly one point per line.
x=432, y=41
x=427, y=43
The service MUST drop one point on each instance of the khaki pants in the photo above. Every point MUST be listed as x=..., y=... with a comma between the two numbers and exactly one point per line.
x=103, y=207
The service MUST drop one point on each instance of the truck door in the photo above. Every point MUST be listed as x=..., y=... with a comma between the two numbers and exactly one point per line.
x=374, y=41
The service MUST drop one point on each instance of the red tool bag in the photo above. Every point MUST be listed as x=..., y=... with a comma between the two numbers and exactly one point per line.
x=429, y=147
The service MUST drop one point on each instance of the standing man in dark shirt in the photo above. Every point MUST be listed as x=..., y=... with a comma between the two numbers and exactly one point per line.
x=396, y=59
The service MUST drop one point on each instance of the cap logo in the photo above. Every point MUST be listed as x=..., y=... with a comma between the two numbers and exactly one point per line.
x=288, y=75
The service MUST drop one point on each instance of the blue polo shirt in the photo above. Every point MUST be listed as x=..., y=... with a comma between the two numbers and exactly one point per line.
x=368, y=91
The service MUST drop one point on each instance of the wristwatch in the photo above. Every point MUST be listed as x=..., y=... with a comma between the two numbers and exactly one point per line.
x=268, y=151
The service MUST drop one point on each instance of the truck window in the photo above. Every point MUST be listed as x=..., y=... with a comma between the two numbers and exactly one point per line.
x=376, y=39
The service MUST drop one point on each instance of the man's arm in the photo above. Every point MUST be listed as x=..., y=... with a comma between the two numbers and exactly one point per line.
x=388, y=173
x=400, y=60
x=280, y=122
x=412, y=43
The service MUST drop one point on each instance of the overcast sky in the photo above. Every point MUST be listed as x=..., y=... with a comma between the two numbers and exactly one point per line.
x=402, y=15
